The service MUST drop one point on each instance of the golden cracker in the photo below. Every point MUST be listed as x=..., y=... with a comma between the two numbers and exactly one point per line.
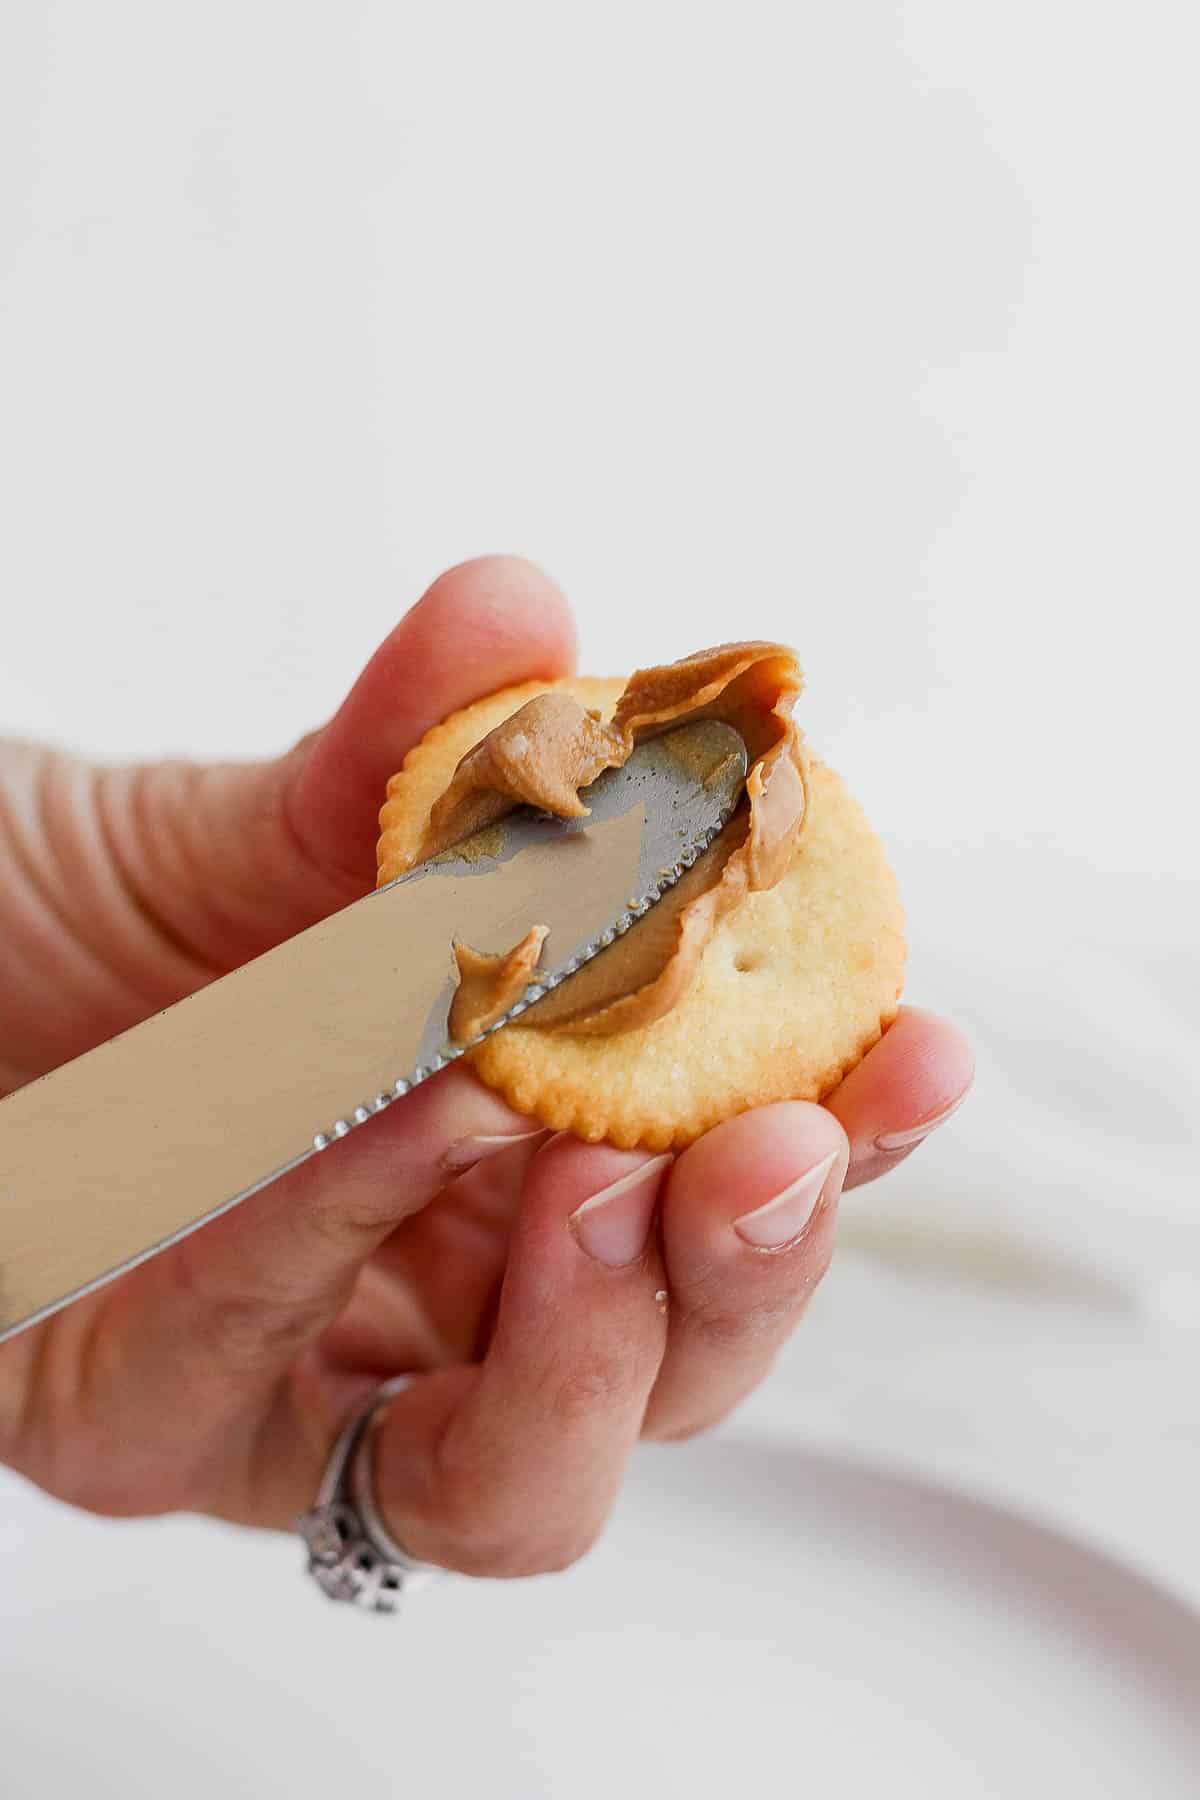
x=794, y=988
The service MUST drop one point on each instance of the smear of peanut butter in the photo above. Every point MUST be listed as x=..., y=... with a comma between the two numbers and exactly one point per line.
x=544, y=753
x=489, y=985
x=540, y=756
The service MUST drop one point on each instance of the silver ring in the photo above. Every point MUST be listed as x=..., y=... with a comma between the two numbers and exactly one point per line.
x=351, y=1553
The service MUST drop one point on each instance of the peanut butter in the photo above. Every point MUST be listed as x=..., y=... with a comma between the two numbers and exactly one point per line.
x=544, y=753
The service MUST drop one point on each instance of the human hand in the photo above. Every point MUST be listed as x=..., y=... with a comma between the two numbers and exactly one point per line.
x=561, y=1299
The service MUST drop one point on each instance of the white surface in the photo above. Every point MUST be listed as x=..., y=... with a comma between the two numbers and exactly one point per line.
x=869, y=327
x=805, y=1626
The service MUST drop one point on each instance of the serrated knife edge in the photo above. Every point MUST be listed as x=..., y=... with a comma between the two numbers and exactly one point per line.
x=537, y=990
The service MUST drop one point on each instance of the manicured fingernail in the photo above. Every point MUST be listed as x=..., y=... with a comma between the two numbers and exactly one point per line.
x=468, y=1151
x=781, y=1220
x=614, y=1224
x=904, y=1140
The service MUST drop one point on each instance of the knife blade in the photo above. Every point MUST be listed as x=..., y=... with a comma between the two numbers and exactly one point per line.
x=123, y=1151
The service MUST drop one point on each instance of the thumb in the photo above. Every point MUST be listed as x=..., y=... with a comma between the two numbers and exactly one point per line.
x=227, y=860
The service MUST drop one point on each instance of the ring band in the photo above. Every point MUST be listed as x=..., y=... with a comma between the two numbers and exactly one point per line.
x=352, y=1555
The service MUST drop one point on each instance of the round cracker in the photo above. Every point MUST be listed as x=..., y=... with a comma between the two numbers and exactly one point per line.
x=793, y=989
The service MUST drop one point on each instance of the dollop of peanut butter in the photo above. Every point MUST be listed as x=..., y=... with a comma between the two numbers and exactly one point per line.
x=488, y=985
x=544, y=753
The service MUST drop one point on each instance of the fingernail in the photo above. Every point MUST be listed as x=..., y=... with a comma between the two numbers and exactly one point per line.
x=614, y=1224
x=904, y=1140
x=781, y=1220
x=466, y=1152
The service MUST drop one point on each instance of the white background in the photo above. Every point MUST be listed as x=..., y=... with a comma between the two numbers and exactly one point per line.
x=872, y=328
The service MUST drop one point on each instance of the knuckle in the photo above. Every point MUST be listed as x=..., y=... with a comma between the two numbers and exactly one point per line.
x=722, y=1327
x=596, y=1383
x=261, y=1318
x=720, y=1321
x=341, y=1230
x=488, y=1528
x=349, y=1216
x=466, y=1525
x=244, y=1330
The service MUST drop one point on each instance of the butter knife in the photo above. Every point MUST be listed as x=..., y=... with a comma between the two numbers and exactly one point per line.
x=129, y=1147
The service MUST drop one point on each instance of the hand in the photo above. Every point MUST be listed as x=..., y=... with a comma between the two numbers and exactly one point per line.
x=521, y=1270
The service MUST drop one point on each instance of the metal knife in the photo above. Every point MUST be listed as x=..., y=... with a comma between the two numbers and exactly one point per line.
x=129, y=1147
